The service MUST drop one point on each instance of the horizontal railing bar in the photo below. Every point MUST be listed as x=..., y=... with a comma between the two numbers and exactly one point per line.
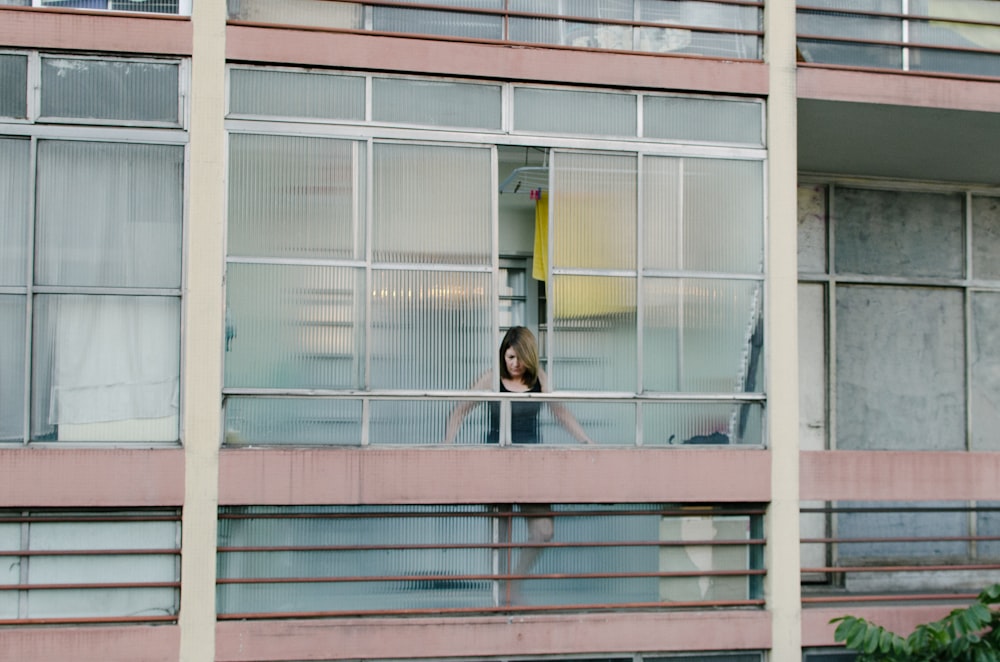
x=901, y=509
x=487, y=546
x=505, y=514
x=897, y=44
x=484, y=610
x=91, y=552
x=902, y=568
x=61, y=519
x=851, y=541
x=492, y=396
x=899, y=597
x=946, y=75
x=865, y=13
x=89, y=620
x=82, y=586
x=486, y=577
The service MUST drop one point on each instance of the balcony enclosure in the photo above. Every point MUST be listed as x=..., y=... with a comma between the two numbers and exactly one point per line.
x=372, y=271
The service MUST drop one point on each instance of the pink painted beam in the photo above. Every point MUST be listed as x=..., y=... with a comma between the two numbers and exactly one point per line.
x=132, y=643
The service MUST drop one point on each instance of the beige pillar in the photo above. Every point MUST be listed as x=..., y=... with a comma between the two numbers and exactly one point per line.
x=203, y=329
x=782, y=588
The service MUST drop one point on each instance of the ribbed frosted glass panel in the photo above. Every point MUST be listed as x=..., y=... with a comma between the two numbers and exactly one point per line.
x=605, y=423
x=105, y=368
x=900, y=368
x=593, y=211
x=958, y=62
x=591, y=342
x=573, y=33
x=15, y=192
x=294, y=326
x=699, y=14
x=899, y=233
x=699, y=335
x=813, y=410
x=812, y=211
x=10, y=573
x=620, y=10
x=720, y=198
x=13, y=85
x=703, y=120
x=12, y=368
x=110, y=90
x=97, y=568
x=398, y=575
x=296, y=421
x=296, y=197
x=150, y=6
x=109, y=214
x=313, y=13
x=563, y=111
x=985, y=237
x=985, y=361
x=433, y=204
x=863, y=28
x=430, y=329
x=296, y=94
x=422, y=422
x=442, y=23
x=436, y=103
x=701, y=423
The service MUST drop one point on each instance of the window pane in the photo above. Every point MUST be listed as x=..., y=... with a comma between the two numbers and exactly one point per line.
x=702, y=120
x=563, y=111
x=593, y=212
x=105, y=368
x=436, y=103
x=701, y=423
x=900, y=369
x=15, y=192
x=295, y=326
x=317, y=13
x=702, y=335
x=591, y=342
x=441, y=23
x=296, y=197
x=109, y=214
x=986, y=237
x=812, y=367
x=156, y=6
x=415, y=422
x=12, y=310
x=433, y=204
x=296, y=421
x=296, y=94
x=109, y=89
x=720, y=198
x=13, y=85
x=606, y=423
x=430, y=330
x=897, y=233
x=985, y=360
x=812, y=228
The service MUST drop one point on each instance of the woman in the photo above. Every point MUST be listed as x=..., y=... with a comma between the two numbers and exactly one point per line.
x=520, y=373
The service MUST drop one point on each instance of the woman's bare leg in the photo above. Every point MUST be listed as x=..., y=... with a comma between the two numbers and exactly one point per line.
x=541, y=529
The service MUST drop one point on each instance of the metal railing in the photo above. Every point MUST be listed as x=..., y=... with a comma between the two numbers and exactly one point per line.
x=298, y=562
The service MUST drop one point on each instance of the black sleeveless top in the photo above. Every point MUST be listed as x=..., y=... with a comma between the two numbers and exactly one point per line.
x=523, y=419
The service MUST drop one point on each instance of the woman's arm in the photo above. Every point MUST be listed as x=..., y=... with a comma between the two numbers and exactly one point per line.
x=462, y=409
x=564, y=415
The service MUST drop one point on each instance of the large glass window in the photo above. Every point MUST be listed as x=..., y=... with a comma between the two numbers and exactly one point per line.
x=370, y=277
x=90, y=276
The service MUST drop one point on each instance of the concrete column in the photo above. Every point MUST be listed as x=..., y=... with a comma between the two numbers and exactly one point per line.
x=203, y=329
x=782, y=588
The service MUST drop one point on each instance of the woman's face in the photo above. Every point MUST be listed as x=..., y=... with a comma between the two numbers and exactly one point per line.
x=514, y=366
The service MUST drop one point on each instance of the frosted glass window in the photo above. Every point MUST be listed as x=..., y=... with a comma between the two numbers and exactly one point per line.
x=296, y=94
x=442, y=23
x=105, y=368
x=76, y=88
x=294, y=421
x=109, y=214
x=430, y=329
x=812, y=367
x=812, y=228
x=433, y=204
x=985, y=359
x=900, y=368
x=620, y=10
x=702, y=335
x=606, y=423
x=295, y=326
x=313, y=13
x=13, y=85
x=899, y=233
x=12, y=311
x=702, y=120
x=15, y=192
x=701, y=424
x=436, y=103
x=573, y=33
x=296, y=197
x=593, y=210
x=422, y=422
x=699, y=14
x=565, y=111
x=985, y=237
x=720, y=198
x=591, y=345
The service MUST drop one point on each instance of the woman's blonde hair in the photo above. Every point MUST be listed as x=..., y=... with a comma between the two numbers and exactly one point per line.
x=522, y=341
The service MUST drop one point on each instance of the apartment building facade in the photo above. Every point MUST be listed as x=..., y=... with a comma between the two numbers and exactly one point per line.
x=756, y=243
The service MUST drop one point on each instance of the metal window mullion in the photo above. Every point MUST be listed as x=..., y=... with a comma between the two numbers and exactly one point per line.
x=550, y=309
x=639, y=288
x=29, y=293
x=681, y=281
x=368, y=283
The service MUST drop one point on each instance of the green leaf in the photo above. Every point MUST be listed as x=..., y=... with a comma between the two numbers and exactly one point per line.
x=856, y=635
x=872, y=638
